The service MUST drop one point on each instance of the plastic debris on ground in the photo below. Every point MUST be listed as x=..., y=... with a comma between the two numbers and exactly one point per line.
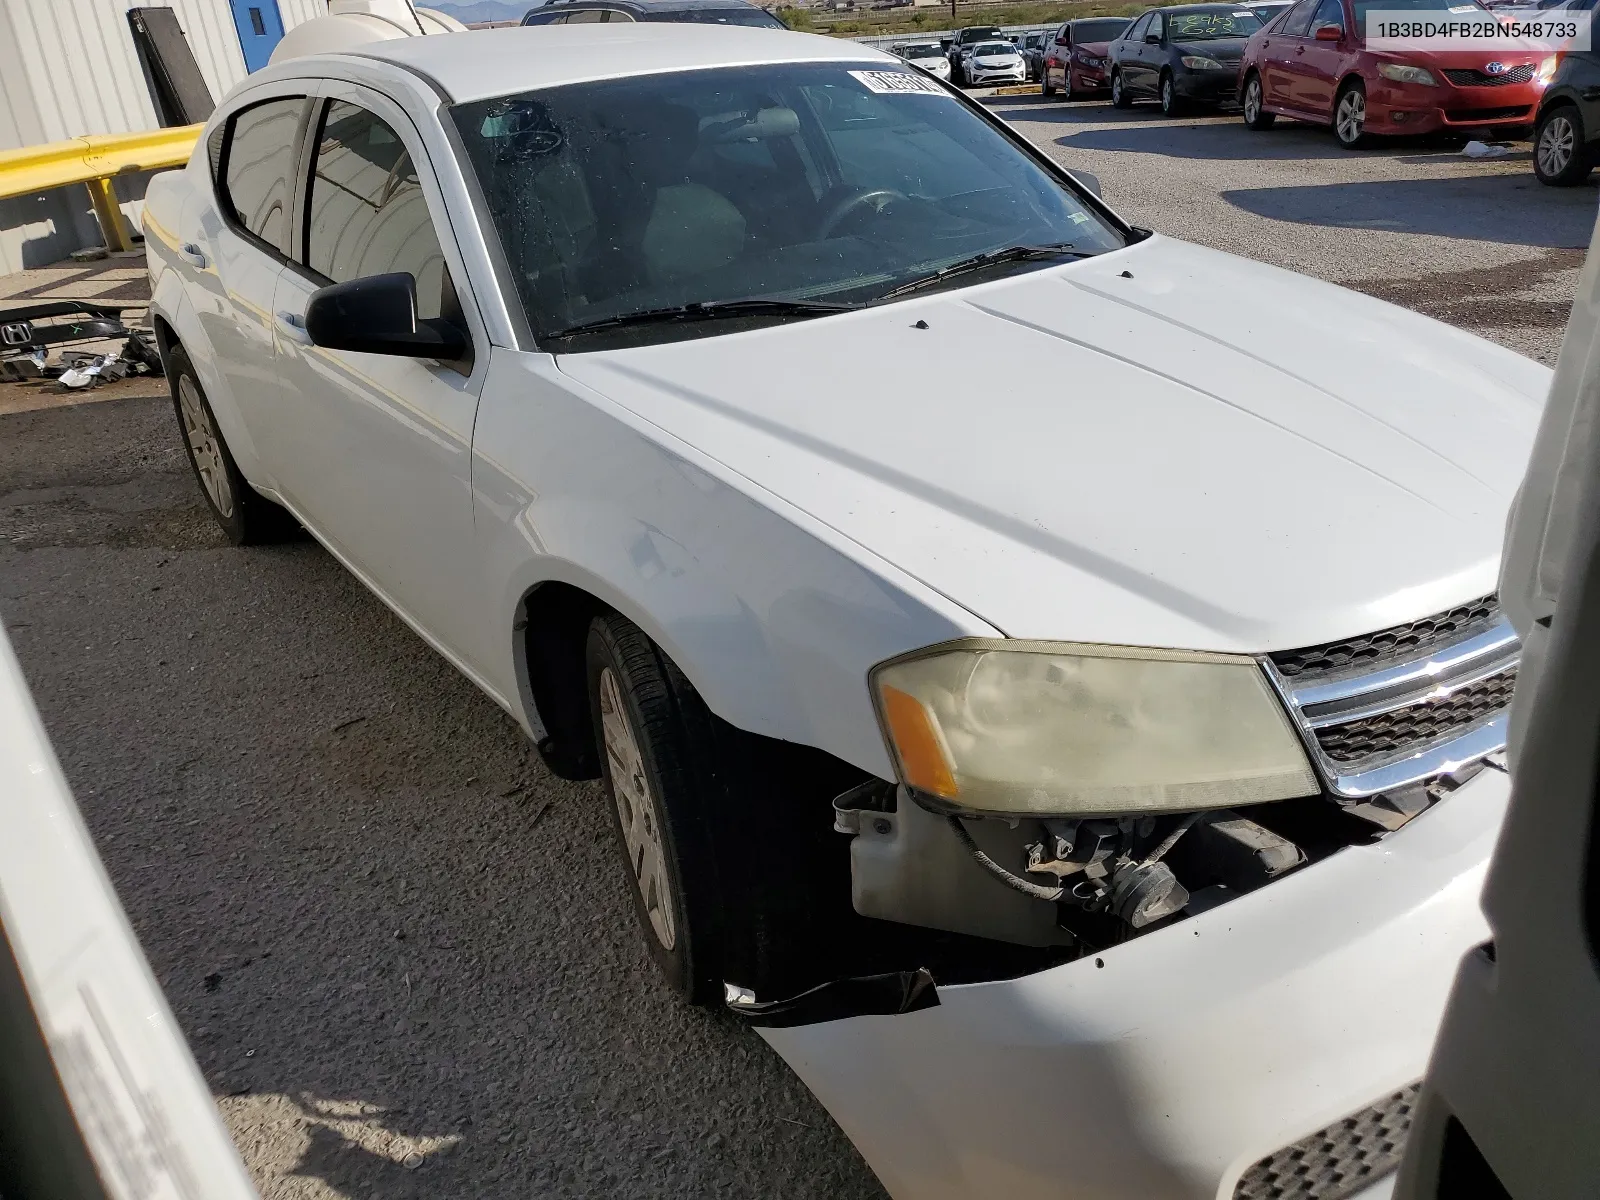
x=1485, y=149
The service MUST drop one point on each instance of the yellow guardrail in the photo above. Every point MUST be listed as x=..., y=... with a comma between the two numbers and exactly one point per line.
x=94, y=160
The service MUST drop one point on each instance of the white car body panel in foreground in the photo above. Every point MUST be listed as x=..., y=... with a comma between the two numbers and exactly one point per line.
x=1238, y=459
x=1191, y=1053
x=143, y=1108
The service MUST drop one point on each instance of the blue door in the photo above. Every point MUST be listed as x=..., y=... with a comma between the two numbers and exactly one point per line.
x=259, y=27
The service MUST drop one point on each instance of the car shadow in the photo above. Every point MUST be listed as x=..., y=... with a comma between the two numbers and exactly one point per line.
x=1512, y=209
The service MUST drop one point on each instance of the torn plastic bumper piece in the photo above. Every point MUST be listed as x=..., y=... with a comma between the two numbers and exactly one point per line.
x=862, y=996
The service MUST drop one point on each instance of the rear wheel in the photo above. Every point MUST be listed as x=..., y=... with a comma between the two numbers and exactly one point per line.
x=1255, y=114
x=1046, y=88
x=246, y=516
x=1171, y=105
x=1350, y=116
x=1560, y=156
x=1119, y=92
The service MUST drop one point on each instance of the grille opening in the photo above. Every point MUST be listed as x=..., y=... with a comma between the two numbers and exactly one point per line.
x=1465, y=116
x=1416, y=724
x=1471, y=77
x=1336, y=1162
x=1398, y=641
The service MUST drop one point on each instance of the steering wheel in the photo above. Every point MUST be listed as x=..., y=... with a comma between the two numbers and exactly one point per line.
x=853, y=201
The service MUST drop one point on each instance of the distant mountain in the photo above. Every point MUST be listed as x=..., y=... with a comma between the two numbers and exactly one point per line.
x=469, y=11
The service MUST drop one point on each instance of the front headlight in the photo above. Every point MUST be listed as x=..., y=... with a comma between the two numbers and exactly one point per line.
x=1056, y=728
x=1404, y=73
x=1547, y=69
x=1199, y=62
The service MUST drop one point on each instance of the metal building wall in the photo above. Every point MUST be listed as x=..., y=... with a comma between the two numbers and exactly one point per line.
x=68, y=67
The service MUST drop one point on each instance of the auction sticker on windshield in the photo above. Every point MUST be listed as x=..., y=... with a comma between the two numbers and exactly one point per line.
x=887, y=83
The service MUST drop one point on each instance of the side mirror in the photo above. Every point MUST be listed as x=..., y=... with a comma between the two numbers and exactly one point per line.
x=1153, y=39
x=1062, y=42
x=378, y=315
x=1328, y=33
x=1089, y=183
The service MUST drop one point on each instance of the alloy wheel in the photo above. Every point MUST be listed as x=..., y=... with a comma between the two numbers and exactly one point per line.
x=1557, y=142
x=205, y=446
x=1116, y=88
x=1167, y=98
x=1252, y=101
x=1351, y=119
x=637, y=812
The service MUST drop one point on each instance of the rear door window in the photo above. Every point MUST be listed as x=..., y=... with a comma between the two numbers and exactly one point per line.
x=253, y=167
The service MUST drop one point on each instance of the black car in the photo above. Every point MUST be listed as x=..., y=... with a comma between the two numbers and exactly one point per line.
x=1181, y=55
x=703, y=12
x=1566, y=134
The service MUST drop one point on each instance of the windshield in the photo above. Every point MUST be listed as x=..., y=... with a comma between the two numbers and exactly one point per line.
x=1098, y=31
x=718, y=16
x=798, y=182
x=995, y=48
x=967, y=36
x=1210, y=24
x=923, y=52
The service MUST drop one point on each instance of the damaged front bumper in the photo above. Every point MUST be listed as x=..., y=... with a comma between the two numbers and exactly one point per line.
x=1172, y=1064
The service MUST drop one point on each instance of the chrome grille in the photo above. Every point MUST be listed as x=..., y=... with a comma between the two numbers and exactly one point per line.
x=1468, y=77
x=1389, y=709
x=1387, y=643
x=1339, y=1161
x=1418, y=724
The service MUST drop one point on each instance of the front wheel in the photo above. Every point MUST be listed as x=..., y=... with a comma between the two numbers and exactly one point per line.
x=1255, y=114
x=1045, y=88
x=1119, y=92
x=1560, y=156
x=1171, y=105
x=1350, y=116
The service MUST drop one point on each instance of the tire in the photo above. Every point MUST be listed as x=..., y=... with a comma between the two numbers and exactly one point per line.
x=246, y=517
x=1560, y=155
x=744, y=880
x=1350, y=116
x=1171, y=104
x=1255, y=114
x=1119, y=93
x=1045, y=89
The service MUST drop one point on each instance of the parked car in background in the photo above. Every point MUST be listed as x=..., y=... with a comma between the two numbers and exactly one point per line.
x=701, y=12
x=995, y=62
x=963, y=41
x=1311, y=63
x=1566, y=134
x=1181, y=56
x=926, y=56
x=1266, y=10
x=1077, y=56
x=1032, y=47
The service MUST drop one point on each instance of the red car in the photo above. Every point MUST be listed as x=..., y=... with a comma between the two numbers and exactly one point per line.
x=1312, y=64
x=1077, y=56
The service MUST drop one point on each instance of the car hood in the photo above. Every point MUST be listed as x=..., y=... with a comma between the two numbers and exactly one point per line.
x=1213, y=453
x=1097, y=49
x=1225, y=50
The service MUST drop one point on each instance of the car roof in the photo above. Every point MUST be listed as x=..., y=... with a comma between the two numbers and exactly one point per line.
x=482, y=63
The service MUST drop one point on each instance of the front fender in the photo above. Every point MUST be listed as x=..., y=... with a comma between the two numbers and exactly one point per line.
x=773, y=617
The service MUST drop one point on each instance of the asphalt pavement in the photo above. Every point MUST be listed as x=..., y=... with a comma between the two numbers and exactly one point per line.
x=399, y=948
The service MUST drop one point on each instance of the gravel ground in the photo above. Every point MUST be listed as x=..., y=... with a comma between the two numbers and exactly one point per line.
x=392, y=939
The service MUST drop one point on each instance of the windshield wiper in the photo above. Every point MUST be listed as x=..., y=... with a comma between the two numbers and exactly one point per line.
x=988, y=258
x=711, y=310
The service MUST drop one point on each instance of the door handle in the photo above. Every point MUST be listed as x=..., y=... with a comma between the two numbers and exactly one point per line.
x=1299, y=50
x=192, y=254
x=293, y=327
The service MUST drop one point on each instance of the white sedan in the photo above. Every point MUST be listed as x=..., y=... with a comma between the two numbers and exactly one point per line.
x=1087, y=791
